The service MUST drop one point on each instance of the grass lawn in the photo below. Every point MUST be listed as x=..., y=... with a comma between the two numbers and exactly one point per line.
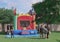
x=54, y=37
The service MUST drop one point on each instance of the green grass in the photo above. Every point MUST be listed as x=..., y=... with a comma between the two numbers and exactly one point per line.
x=54, y=37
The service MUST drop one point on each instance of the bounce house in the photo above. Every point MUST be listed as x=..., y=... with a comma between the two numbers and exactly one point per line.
x=24, y=25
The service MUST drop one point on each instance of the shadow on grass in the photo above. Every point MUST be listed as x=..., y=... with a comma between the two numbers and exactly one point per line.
x=36, y=38
x=3, y=33
x=58, y=40
x=56, y=32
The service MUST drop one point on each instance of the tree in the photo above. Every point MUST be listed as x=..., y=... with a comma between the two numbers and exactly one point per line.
x=48, y=11
x=6, y=16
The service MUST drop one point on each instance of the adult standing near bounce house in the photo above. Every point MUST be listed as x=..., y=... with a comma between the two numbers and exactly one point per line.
x=41, y=31
x=11, y=31
x=8, y=27
x=47, y=34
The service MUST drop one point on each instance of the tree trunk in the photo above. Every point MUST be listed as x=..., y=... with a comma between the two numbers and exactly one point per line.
x=50, y=27
x=3, y=29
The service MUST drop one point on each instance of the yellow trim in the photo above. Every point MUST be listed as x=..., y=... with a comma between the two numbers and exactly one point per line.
x=24, y=15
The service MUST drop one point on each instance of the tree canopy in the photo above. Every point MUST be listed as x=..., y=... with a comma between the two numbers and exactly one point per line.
x=6, y=15
x=48, y=11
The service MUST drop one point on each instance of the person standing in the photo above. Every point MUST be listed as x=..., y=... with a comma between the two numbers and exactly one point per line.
x=11, y=31
x=41, y=31
x=47, y=34
x=8, y=27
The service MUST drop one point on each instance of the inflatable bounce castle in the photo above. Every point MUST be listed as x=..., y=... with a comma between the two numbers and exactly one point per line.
x=24, y=25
